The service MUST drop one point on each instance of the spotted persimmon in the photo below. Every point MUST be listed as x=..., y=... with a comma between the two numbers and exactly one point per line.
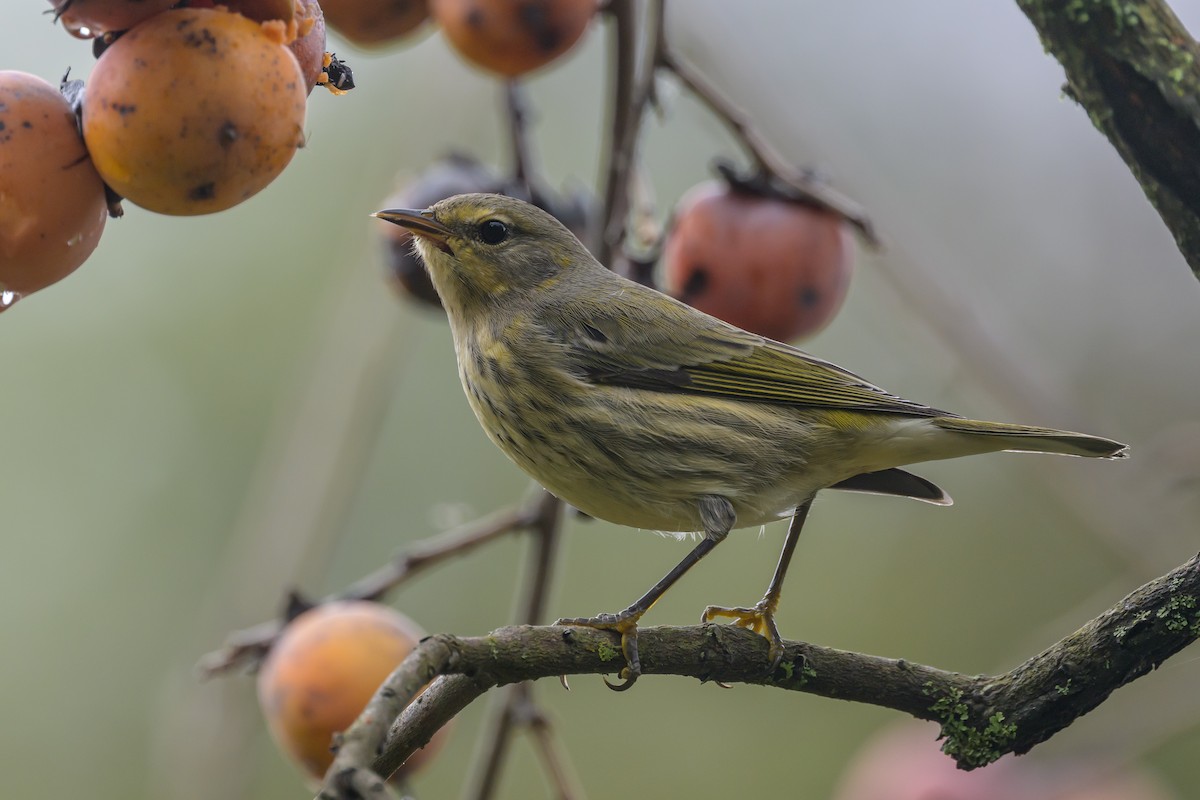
x=375, y=22
x=512, y=37
x=194, y=111
x=324, y=668
x=52, y=205
x=775, y=267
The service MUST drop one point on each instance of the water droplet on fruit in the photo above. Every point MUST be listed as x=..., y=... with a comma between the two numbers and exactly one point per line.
x=77, y=30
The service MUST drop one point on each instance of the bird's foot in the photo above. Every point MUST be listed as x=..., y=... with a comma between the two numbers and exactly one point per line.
x=760, y=619
x=624, y=623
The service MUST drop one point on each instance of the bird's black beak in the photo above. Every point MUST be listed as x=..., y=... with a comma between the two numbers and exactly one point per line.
x=420, y=223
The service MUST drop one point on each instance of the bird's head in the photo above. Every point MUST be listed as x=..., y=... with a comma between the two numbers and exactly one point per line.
x=480, y=248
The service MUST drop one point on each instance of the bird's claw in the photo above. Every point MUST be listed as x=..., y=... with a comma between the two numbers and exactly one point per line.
x=624, y=623
x=627, y=679
x=760, y=619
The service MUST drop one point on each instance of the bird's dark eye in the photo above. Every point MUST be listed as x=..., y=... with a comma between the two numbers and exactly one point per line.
x=493, y=231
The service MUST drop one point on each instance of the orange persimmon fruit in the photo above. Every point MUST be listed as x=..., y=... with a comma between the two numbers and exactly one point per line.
x=775, y=267
x=375, y=22
x=52, y=204
x=194, y=111
x=512, y=37
x=324, y=668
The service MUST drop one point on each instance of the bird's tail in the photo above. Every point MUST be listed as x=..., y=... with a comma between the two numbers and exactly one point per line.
x=1024, y=438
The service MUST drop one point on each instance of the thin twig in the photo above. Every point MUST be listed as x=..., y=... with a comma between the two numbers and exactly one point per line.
x=768, y=164
x=633, y=91
x=506, y=718
x=623, y=128
x=546, y=743
x=521, y=711
x=628, y=119
x=245, y=648
x=494, y=744
x=517, y=110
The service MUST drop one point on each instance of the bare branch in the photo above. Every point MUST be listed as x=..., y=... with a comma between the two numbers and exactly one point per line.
x=982, y=717
x=247, y=647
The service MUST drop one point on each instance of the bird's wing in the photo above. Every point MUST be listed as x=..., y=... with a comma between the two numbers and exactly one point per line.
x=666, y=346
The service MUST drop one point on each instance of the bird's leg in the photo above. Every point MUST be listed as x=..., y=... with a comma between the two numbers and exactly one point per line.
x=761, y=618
x=717, y=515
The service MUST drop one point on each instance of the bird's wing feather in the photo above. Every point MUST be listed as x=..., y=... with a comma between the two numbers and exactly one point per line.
x=684, y=350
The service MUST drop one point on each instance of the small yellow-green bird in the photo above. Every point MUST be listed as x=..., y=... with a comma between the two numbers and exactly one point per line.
x=643, y=411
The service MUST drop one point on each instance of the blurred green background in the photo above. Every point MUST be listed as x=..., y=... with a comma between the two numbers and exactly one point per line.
x=175, y=417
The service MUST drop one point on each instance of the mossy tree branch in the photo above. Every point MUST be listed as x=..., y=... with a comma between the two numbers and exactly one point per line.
x=982, y=717
x=1135, y=69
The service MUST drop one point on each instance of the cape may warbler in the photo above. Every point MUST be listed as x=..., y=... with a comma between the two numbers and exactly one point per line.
x=640, y=410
